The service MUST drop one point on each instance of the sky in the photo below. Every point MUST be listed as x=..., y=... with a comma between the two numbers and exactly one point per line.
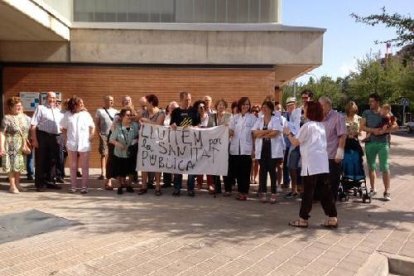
x=345, y=40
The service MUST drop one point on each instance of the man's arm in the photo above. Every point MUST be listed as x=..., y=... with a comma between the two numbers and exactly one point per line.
x=35, y=143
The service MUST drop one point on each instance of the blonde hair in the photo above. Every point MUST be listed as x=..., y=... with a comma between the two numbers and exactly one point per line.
x=386, y=107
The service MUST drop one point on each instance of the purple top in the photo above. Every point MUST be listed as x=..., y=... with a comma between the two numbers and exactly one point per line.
x=335, y=127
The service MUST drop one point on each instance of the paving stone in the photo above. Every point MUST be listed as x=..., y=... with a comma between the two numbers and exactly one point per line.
x=204, y=236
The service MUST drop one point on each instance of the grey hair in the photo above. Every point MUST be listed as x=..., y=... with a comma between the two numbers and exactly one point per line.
x=325, y=99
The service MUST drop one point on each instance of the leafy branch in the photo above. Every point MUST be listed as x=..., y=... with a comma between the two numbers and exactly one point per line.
x=404, y=26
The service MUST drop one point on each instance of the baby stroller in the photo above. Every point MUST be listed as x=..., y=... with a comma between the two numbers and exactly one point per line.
x=353, y=180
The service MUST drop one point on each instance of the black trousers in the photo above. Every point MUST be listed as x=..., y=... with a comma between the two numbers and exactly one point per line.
x=267, y=166
x=46, y=158
x=110, y=161
x=335, y=171
x=239, y=168
x=327, y=201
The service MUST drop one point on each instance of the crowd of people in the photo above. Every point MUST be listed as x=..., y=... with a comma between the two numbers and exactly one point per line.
x=300, y=148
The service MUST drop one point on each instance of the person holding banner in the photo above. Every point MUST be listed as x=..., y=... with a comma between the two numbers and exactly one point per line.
x=201, y=107
x=124, y=138
x=167, y=177
x=184, y=116
x=241, y=148
x=268, y=149
x=221, y=117
x=152, y=115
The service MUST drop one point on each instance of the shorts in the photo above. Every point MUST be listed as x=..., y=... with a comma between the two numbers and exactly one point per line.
x=103, y=145
x=293, y=162
x=382, y=149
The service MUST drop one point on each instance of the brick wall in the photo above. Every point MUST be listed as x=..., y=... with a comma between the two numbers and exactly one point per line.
x=92, y=83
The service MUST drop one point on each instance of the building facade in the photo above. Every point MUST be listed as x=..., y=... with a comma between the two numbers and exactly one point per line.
x=222, y=48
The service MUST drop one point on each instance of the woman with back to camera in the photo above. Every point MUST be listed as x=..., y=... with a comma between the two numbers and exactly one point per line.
x=79, y=129
x=315, y=166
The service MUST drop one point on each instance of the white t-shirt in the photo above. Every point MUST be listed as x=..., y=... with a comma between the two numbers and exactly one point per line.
x=276, y=143
x=77, y=126
x=312, y=138
x=105, y=121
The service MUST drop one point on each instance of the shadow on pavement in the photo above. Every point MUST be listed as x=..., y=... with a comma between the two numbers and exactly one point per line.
x=212, y=219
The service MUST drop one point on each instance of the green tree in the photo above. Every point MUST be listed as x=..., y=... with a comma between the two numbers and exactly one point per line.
x=387, y=77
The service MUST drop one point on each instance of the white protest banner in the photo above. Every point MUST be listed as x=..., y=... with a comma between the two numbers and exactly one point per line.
x=184, y=151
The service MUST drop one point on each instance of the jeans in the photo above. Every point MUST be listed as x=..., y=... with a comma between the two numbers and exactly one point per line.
x=29, y=164
x=178, y=181
x=286, y=177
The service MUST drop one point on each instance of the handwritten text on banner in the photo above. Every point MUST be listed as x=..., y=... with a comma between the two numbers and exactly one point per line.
x=184, y=151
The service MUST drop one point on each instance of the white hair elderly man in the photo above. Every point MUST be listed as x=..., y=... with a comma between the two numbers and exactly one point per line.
x=335, y=128
x=45, y=133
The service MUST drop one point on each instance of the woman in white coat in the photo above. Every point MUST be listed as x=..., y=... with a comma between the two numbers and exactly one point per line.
x=268, y=149
x=315, y=166
x=241, y=147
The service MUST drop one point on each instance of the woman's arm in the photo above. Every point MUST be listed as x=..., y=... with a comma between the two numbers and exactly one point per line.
x=293, y=140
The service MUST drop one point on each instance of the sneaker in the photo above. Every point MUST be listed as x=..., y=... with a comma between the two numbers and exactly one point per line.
x=84, y=191
x=129, y=189
x=72, y=190
x=387, y=196
x=191, y=193
x=291, y=195
x=120, y=191
x=176, y=193
x=30, y=177
x=372, y=193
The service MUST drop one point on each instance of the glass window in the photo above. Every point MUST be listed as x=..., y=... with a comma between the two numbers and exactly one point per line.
x=180, y=11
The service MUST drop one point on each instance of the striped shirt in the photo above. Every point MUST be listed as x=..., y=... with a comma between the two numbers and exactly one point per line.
x=335, y=127
x=47, y=119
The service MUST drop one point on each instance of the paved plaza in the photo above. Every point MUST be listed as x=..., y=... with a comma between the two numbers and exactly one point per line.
x=149, y=235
